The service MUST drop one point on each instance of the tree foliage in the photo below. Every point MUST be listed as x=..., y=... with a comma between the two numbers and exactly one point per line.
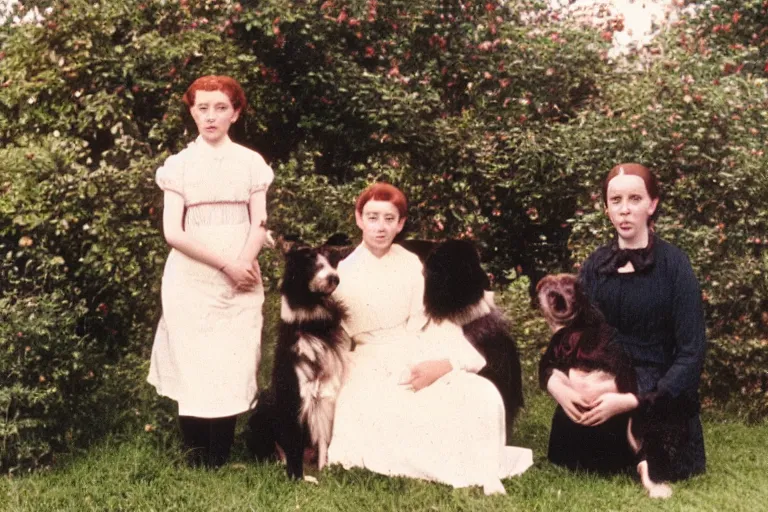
x=698, y=114
x=497, y=120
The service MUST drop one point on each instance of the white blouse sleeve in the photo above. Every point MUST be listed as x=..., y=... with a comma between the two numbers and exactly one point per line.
x=261, y=174
x=450, y=343
x=464, y=356
x=170, y=177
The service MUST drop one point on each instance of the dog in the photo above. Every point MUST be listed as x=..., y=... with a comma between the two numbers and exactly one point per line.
x=297, y=410
x=583, y=347
x=455, y=290
x=455, y=287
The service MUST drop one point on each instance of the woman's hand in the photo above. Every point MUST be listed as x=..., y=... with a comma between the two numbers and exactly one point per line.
x=606, y=406
x=569, y=399
x=242, y=274
x=426, y=372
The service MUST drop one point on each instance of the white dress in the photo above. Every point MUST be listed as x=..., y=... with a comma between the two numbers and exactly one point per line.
x=206, y=349
x=452, y=431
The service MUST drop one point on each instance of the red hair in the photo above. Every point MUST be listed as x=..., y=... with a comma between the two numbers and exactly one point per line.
x=383, y=192
x=641, y=171
x=225, y=84
x=631, y=169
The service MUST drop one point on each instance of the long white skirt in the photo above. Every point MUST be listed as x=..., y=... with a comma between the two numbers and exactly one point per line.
x=452, y=432
x=207, y=345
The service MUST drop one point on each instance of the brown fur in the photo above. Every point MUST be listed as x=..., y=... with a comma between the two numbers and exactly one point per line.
x=583, y=347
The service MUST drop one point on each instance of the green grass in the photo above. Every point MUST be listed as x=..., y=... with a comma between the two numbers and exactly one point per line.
x=144, y=472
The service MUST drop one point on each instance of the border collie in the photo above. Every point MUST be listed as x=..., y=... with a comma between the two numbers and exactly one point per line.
x=583, y=341
x=297, y=410
x=455, y=290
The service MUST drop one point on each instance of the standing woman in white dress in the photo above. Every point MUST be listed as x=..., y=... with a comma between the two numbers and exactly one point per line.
x=207, y=346
x=412, y=404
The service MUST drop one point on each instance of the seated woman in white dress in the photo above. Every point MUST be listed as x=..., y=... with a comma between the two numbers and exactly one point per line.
x=412, y=404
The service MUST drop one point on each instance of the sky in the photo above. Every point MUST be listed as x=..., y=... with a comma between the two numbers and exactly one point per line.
x=641, y=17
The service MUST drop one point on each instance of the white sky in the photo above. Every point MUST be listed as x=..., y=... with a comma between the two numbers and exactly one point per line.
x=641, y=17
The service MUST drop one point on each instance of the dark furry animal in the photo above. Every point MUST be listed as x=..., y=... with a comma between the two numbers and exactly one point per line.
x=455, y=290
x=583, y=340
x=419, y=247
x=297, y=410
x=337, y=247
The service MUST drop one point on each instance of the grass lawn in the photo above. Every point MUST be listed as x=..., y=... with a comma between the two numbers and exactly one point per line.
x=144, y=473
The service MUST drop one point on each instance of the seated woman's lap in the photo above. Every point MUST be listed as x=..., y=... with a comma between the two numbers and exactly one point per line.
x=459, y=409
x=603, y=448
x=450, y=431
x=455, y=397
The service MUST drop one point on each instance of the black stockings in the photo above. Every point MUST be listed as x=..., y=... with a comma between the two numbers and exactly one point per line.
x=207, y=441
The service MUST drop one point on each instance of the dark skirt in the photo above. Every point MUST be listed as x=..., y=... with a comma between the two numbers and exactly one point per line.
x=604, y=449
x=685, y=461
x=686, y=456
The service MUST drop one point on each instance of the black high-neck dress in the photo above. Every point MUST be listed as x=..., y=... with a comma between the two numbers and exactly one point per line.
x=659, y=319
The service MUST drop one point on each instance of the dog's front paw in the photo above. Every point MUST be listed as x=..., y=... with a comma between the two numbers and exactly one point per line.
x=311, y=479
x=660, y=491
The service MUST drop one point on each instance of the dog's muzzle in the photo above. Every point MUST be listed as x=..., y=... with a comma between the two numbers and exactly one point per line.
x=325, y=283
x=331, y=283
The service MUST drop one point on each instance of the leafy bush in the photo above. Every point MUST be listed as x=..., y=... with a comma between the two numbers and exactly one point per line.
x=79, y=250
x=700, y=121
x=735, y=376
x=89, y=107
x=37, y=380
x=498, y=123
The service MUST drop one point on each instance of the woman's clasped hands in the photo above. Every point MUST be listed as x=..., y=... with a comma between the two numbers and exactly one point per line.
x=584, y=412
x=243, y=274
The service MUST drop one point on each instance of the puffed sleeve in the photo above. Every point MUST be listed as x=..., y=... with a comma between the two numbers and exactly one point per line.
x=261, y=174
x=170, y=176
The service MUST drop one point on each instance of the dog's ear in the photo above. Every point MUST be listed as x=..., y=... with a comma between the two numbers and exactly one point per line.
x=544, y=281
x=421, y=248
x=270, y=242
x=336, y=248
x=338, y=240
x=287, y=243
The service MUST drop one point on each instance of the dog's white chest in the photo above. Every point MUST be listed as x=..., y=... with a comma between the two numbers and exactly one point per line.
x=319, y=370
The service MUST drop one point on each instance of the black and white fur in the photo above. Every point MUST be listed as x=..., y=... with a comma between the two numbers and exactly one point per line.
x=455, y=290
x=297, y=410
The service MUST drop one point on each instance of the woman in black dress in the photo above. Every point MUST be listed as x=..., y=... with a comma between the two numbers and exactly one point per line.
x=646, y=289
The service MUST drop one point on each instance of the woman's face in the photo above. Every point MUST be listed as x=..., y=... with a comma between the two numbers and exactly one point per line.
x=629, y=208
x=380, y=222
x=213, y=114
